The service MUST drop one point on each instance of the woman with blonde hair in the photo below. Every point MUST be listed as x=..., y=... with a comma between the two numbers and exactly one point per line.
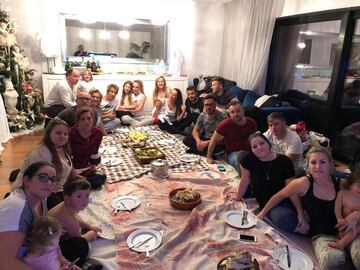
x=318, y=191
x=161, y=92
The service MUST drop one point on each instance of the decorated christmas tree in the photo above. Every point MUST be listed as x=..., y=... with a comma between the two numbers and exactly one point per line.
x=16, y=75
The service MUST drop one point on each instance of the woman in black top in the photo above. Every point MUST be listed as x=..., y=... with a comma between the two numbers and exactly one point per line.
x=268, y=173
x=318, y=193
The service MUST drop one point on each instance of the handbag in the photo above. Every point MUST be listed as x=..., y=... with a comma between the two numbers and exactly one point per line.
x=96, y=179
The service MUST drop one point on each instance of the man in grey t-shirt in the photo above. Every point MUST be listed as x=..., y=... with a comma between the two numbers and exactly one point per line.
x=204, y=128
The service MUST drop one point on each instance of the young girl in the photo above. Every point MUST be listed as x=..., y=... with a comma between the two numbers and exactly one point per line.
x=43, y=246
x=87, y=81
x=347, y=201
x=54, y=149
x=127, y=101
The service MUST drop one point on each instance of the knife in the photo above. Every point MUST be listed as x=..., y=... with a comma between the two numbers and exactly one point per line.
x=288, y=256
x=125, y=206
x=140, y=243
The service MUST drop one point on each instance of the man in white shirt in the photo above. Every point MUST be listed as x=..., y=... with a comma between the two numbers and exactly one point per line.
x=283, y=140
x=63, y=94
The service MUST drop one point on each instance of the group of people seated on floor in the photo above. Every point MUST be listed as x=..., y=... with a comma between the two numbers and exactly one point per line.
x=53, y=180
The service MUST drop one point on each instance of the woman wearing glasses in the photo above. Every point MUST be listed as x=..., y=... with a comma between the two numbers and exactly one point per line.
x=18, y=211
x=54, y=149
x=268, y=173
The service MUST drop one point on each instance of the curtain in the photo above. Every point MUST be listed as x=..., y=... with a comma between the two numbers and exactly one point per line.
x=247, y=37
x=4, y=126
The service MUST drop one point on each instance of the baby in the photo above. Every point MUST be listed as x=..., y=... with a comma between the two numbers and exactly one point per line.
x=347, y=201
x=158, y=112
x=43, y=246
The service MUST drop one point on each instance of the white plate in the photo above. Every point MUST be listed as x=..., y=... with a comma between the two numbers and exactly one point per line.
x=234, y=218
x=107, y=139
x=121, y=130
x=107, y=150
x=130, y=201
x=111, y=161
x=165, y=142
x=189, y=158
x=298, y=259
x=141, y=235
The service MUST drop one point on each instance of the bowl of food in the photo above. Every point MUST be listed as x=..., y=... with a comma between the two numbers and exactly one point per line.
x=133, y=143
x=239, y=261
x=184, y=198
x=148, y=154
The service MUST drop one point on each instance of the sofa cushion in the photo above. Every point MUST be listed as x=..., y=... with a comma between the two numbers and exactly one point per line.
x=238, y=92
x=250, y=99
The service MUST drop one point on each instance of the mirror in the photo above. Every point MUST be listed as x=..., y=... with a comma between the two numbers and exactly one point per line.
x=144, y=41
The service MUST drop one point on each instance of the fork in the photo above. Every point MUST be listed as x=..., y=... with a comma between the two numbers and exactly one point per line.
x=147, y=250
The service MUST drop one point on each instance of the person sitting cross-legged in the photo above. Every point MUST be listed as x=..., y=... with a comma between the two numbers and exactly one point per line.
x=235, y=132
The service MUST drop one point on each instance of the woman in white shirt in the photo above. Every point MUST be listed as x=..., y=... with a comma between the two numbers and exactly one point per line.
x=138, y=118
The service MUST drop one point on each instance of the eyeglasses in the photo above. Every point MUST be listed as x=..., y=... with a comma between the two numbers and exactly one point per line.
x=84, y=98
x=44, y=178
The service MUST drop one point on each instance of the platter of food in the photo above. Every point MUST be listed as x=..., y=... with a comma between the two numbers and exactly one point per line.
x=148, y=154
x=138, y=135
x=184, y=198
x=241, y=261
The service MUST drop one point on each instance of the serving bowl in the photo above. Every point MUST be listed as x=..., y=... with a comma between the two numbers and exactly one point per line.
x=183, y=205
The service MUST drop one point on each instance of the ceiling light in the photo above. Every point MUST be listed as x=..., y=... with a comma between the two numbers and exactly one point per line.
x=301, y=45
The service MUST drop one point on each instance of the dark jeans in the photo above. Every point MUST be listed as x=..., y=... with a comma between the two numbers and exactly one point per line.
x=73, y=248
x=176, y=127
x=284, y=216
x=54, y=110
x=190, y=142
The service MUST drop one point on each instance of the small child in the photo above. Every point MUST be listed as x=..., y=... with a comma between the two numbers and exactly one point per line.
x=158, y=112
x=347, y=201
x=76, y=198
x=43, y=246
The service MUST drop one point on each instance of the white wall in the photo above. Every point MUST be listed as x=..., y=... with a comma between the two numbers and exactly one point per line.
x=196, y=28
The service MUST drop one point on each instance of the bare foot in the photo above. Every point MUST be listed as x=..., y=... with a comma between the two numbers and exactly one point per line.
x=336, y=245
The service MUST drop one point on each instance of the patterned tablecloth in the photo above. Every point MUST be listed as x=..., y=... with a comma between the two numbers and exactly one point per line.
x=130, y=167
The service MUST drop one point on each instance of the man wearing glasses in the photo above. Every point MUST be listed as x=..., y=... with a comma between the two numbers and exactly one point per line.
x=83, y=99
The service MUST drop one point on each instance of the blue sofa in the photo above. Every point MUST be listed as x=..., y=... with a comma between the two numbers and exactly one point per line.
x=248, y=99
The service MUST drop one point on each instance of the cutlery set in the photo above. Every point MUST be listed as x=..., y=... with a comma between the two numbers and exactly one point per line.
x=117, y=209
x=244, y=219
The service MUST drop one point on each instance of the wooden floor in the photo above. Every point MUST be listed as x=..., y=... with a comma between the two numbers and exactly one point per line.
x=14, y=154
